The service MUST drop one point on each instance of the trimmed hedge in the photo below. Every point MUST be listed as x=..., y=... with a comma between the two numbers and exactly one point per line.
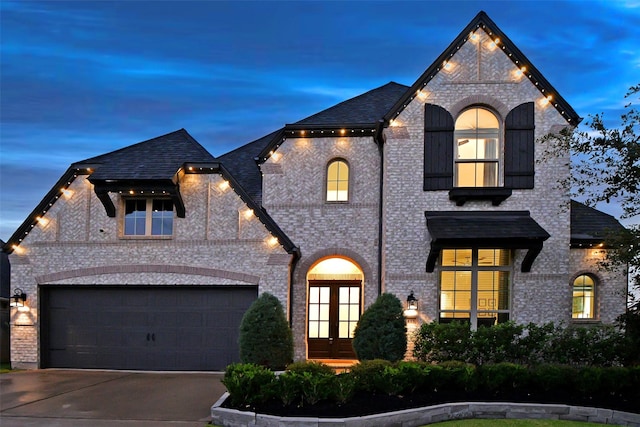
x=523, y=344
x=308, y=383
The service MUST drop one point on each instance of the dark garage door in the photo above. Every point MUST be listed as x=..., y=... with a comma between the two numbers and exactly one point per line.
x=142, y=327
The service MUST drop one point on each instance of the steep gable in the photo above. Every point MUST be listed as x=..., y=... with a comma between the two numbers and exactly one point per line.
x=502, y=42
x=156, y=158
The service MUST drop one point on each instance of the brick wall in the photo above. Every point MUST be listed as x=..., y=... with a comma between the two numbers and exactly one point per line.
x=215, y=244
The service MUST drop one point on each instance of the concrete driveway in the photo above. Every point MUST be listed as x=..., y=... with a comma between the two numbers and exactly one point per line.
x=73, y=398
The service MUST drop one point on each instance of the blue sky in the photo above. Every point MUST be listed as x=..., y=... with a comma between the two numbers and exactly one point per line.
x=81, y=78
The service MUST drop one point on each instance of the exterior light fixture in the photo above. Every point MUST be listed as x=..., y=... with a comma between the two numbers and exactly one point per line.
x=19, y=298
x=411, y=312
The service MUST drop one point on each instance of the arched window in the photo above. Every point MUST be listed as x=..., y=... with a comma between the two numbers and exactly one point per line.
x=584, y=297
x=477, y=149
x=337, y=181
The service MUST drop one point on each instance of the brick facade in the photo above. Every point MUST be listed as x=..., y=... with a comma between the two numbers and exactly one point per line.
x=381, y=228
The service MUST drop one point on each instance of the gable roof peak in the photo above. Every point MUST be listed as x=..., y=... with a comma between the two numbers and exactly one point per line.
x=482, y=21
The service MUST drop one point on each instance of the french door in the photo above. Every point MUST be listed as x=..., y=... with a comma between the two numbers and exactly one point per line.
x=333, y=312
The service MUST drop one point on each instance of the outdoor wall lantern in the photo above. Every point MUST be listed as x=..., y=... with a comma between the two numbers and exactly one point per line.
x=411, y=311
x=19, y=298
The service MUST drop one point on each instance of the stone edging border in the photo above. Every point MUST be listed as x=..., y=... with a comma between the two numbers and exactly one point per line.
x=430, y=414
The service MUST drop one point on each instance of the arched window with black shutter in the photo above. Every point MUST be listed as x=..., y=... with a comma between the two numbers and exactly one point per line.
x=438, y=148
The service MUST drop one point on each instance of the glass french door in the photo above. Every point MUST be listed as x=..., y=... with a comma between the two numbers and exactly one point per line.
x=333, y=312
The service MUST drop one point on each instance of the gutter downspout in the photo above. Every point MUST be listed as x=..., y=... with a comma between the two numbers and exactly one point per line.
x=379, y=140
x=292, y=268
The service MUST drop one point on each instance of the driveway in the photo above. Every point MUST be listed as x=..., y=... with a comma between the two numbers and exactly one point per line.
x=73, y=398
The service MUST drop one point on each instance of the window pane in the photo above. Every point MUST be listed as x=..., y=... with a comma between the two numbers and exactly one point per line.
x=456, y=257
x=314, y=312
x=338, y=181
x=477, y=137
x=314, y=295
x=313, y=329
x=344, y=295
x=325, y=294
x=343, y=331
x=583, y=297
x=323, y=330
x=343, y=312
x=135, y=217
x=162, y=217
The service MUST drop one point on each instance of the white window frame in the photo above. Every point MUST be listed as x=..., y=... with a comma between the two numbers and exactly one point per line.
x=474, y=268
x=467, y=133
x=336, y=193
x=148, y=227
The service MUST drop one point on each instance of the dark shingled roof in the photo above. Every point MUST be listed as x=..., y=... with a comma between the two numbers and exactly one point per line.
x=366, y=108
x=240, y=162
x=157, y=158
x=591, y=225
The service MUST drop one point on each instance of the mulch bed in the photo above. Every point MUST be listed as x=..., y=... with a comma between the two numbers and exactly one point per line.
x=367, y=404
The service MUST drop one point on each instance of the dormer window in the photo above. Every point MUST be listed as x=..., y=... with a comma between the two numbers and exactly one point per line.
x=477, y=149
x=338, y=181
x=148, y=217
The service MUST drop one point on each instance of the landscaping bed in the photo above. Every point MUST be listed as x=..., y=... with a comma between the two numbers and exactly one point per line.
x=369, y=404
x=378, y=386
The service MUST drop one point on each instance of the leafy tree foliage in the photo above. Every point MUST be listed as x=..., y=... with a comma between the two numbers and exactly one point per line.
x=381, y=332
x=265, y=336
x=606, y=168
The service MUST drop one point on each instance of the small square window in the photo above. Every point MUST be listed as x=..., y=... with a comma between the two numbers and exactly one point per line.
x=148, y=217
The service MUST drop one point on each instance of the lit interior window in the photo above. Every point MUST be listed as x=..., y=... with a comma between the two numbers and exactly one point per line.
x=338, y=181
x=583, y=297
x=477, y=149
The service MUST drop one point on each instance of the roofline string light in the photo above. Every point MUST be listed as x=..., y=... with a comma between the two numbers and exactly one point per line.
x=497, y=42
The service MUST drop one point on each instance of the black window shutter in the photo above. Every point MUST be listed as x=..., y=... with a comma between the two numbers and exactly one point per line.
x=519, y=147
x=438, y=148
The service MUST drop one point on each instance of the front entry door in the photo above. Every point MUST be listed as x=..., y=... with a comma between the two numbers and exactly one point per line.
x=333, y=312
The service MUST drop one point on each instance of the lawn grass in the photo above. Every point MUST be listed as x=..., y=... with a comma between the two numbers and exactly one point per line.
x=513, y=423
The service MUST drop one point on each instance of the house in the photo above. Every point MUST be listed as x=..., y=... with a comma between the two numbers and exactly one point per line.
x=148, y=256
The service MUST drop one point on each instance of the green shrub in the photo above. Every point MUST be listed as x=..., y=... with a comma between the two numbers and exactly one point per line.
x=265, y=337
x=248, y=383
x=368, y=374
x=344, y=388
x=526, y=345
x=558, y=378
x=502, y=378
x=380, y=332
x=458, y=376
x=306, y=383
x=312, y=366
x=495, y=344
x=438, y=342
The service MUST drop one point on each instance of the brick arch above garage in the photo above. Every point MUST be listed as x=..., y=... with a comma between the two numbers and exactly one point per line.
x=226, y=276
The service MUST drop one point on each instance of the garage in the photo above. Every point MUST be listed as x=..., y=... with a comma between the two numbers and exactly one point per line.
x=158, y=328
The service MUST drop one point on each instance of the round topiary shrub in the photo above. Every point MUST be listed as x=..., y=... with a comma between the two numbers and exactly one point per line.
x=265, y=336
x=381, y=331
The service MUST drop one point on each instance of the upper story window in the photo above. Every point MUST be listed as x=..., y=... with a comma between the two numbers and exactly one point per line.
x=337, y=181
x=584, y=297
x=148, y=217
x=477, y=149
x=478, y=155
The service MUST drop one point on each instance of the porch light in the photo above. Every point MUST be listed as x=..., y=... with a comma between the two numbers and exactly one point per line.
x=411, y=311
x=19, y=298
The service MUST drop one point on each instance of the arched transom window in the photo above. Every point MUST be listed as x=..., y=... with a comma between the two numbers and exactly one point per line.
x=584, y=296
x=477, y=149
x=337, y=181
